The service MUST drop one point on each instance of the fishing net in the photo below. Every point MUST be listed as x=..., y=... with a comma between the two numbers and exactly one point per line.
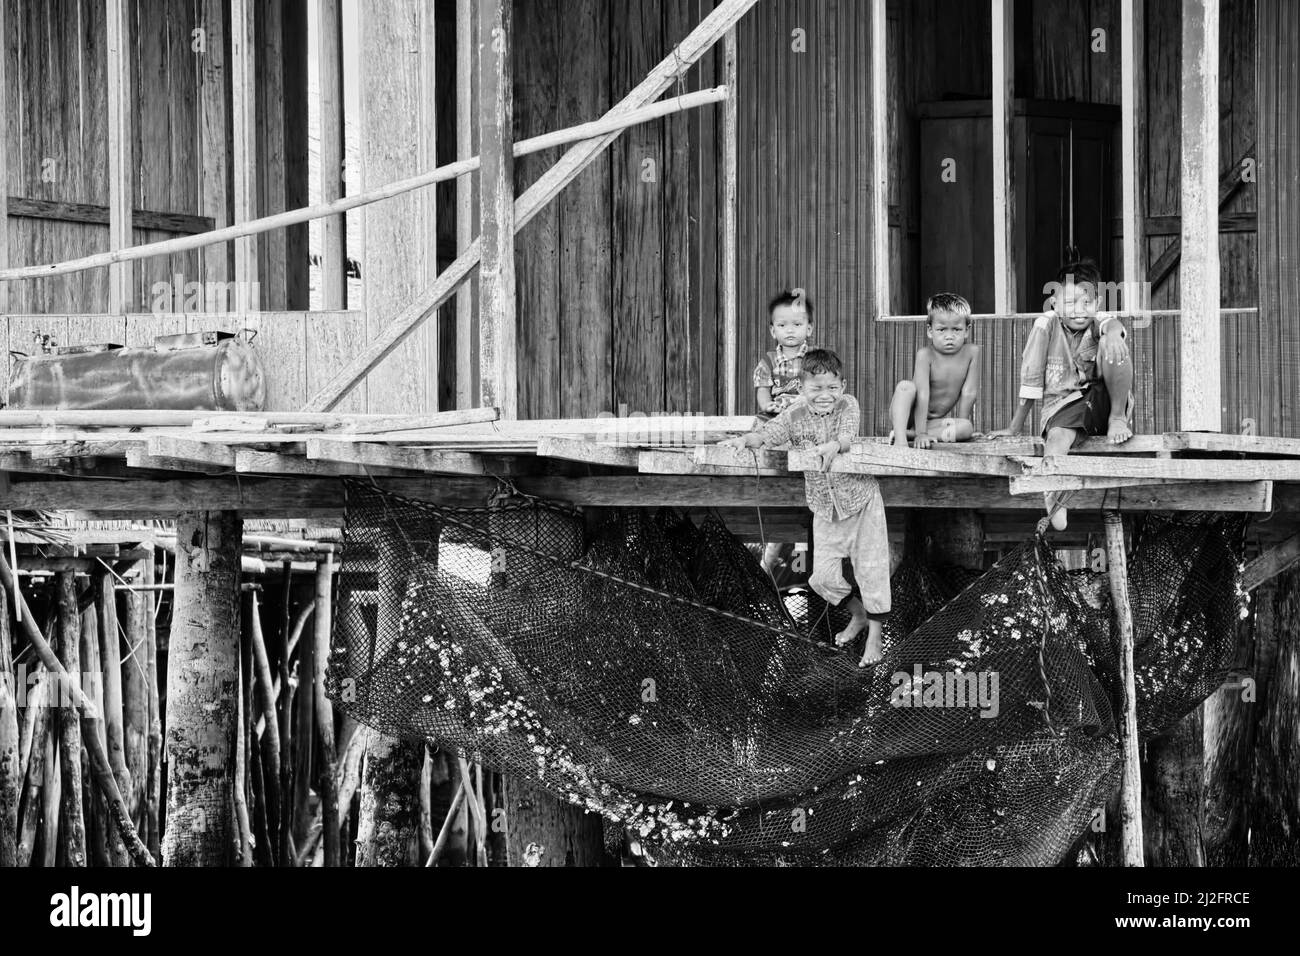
x=642, y=665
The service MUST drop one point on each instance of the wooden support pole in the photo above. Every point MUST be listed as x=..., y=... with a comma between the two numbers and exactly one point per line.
x=1200, y=333
x=467, y=386
x=1130, y=801
x=498, y=367
x=111, y=660
x=1270, y=564
x=284, y=716
x=121, y=165
x=1004, y=261
x=304, y=733
x=71, y=820
x=201, y=711
x=135, y=705
x=334, y=255
x=880, y=158
x=730, y=209
x=4, y=169
x=243, y=105
x=327, y=784
x=98, y=826
x=153, y=748
x=270, y=728
x=10, y=751
x=1132, y=86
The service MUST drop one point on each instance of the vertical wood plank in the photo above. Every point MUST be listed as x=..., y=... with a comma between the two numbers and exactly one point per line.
x=331, y=339
x=269, y=113
x=281, y=343
x=496, y=274
x=730, y=209
x=120, y=152
x=1004, y=264
x=681, y=352
x=879, y=159
x=329, y=59
x=467, y=388
x=1132, y=22
x=4, y=167
x=243, y=99
x=213, y=145
x=294, y=192
x=1200, y=401
x=587, y=313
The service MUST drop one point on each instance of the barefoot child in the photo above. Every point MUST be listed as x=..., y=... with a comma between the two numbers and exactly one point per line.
x=776, y=377
x=941, y=395
x=1060, y=367
x=848, y=515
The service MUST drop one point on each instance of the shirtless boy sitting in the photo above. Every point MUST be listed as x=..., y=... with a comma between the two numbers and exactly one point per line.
x=937, y=403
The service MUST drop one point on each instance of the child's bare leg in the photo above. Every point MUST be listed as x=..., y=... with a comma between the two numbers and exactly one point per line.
x=1118, y=377
x=1059, y=442
x=952, y=429
x=856, y=623
x=872, y=652
x=771, y=555
x=900, y=409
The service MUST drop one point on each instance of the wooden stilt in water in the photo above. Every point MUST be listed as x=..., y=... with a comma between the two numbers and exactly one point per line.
x=135, y=705
x=1130, y=803
x=204, y=655
x=97, y=826
x=327, y=785
x=111, y=657
x=270, y=739
x=10, y=752
x=71, y=820
x=285, y=708
x=153, y=786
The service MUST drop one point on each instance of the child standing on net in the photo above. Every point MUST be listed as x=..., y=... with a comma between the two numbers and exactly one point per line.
x=848, y=514
x=776, y=377
x=1081, y=396
x=938, y=401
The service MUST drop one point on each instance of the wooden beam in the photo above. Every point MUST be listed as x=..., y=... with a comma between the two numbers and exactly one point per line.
x=1194, y=469
x=865, y=457
x=1132, y=15
x=879, y=159
x=187, y=449
x=57, y=211
x=4, y=159
x=730, y=208
x=595, y=453
x=1200, y=331
x=243, y=100
x=770, y=465
x=684, y=55
x=1131, y=781
x=13, y=419
x=1271, y=563
x=121, y=166
x=395, y=456
x=498, y=363
x=1004, y=260
x=1245, y=444
x=467, y=387
x=329, y=72
x=314, y=497
x=1040, y=484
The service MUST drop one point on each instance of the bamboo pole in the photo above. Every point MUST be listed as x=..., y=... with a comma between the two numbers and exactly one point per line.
x=51, y=793
x=304, y=706
x=135, y=705
x=71, y=819
x=586, y=131
x=153, y=789
x=285, y=715
x=269, y=728
x=10, y=750
x=98, y=829
x=98, y=755
x=34, y=780
x=1131, y=785
x=326, y=785
x=240, y=783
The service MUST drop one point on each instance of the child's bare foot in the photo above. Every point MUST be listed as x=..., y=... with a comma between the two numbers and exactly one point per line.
x=898, y=439
x=1118, y=432
x=850, y=634
x=948, y=433
x=872, y=652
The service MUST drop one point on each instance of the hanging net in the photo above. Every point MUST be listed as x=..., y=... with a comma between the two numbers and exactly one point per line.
x=643, y=666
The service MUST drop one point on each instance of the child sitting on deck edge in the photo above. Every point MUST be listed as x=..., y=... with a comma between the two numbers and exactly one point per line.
x=776, y=377
x=936, y=404
x=848, y=514
x=1081, y=396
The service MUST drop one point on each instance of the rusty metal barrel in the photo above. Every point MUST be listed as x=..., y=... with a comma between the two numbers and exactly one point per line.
x=200, y=372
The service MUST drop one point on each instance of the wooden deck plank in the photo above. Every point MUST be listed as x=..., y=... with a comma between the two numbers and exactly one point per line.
x=595, y=453
x=1203, y=470
x=389, y=456
x=866, y=458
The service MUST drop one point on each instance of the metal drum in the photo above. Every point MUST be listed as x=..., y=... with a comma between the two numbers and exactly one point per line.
x=196, y=372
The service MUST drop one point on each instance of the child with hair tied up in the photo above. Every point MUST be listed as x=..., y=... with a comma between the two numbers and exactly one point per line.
x=848, y=514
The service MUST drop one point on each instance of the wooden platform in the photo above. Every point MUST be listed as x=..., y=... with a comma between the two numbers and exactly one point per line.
x=143, y=464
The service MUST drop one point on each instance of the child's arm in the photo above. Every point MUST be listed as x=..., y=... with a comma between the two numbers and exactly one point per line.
x=849, y=426
x=764, y=396
x=1112, y=347
x=763, y=386
x=921, y=380
x=970, y=389
x=775, y=432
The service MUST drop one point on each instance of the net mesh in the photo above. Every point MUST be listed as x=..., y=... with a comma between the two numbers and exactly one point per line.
x=643, y=665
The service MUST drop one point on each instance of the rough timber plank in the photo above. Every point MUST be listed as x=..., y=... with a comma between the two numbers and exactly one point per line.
x=302, y=497
x=1038, y=485
x=1271, y=563
x=185, y=449
x=252, y=461
x=867, y=457
x=1245, y=444
x=595, y=453
x=389, y=456
x=682, y=463
x=1193, y=469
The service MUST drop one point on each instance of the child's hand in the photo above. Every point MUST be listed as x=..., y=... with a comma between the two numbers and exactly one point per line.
x=924, y=441
x=736, y=442
x=772, y=408
x=1000, y=433
x=1113, y=350
x=828, y=451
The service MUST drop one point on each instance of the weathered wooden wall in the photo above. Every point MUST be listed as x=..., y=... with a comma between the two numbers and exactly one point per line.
x=57, y=141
